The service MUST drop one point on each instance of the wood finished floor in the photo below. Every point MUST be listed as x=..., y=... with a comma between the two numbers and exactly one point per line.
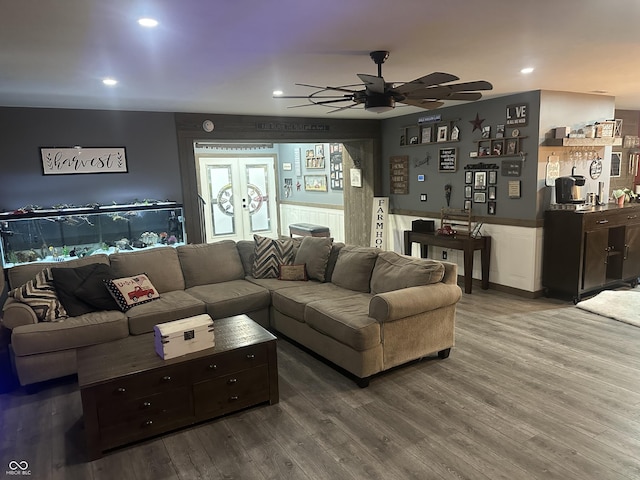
x=534, y=389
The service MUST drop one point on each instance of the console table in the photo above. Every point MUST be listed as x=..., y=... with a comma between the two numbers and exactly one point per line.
x=455, y=242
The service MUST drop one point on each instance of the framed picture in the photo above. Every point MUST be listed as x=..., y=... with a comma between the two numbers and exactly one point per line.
x=511, y=146
x=442, y=133
x=286, y=166
x=468, y=176
x=455, y=133
x=315, y=163
x=486, y=132
x=492, y=193
x=467, y=205
x=497, y=147
x=426, y=135
x=467, y=191
x=480, y=197
x=500, y=131
x=480, y=180
x=493, y=177
x=319, y=150
x=616, y=161
x=413, y=140
x=315, y=183
x=491, y=208
x=484, y=148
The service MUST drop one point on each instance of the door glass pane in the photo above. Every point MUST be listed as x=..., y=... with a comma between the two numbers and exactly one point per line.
x=221, y=199
x=258, y=197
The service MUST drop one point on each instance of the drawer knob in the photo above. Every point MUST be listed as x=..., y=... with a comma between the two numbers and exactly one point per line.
x=121, y=390
x=148, y=423
x=146, y=404
x=166, y=378
x=213, y=366
x=232, y=380
x=233, y=398
x=251, y=356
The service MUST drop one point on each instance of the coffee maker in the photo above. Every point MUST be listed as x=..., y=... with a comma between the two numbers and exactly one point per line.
x=569, y=189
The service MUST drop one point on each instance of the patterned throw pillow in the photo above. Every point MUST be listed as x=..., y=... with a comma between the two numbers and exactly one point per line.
x=40, y=294
x=131, y=291
x=270, y=253
x=293, y=272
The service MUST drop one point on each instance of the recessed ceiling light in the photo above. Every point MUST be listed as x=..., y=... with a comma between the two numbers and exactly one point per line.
x=110, y=82
x=526, y=70
x=277, y=93
x=148, y=22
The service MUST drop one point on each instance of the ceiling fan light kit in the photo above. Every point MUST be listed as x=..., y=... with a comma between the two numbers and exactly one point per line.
x=379, y=96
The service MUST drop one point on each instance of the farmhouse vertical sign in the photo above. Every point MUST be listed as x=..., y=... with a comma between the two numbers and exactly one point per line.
x=379, y=219
x=64, y=161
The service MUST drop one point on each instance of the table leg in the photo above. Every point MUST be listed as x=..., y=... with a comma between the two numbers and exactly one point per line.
x=468, y=269
x=485, y=256
x=407, y=243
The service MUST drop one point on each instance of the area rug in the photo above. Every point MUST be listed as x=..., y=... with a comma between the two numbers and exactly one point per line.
x=621, y=305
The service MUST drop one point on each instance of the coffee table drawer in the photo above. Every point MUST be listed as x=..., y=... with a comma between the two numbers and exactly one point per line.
x=228, y=362
x=141, y=409
x=143, y=384
x=231, y=392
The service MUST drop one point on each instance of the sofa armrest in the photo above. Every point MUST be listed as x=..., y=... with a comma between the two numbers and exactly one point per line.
x=450, y=273
x=15, y=313
x=389, y=306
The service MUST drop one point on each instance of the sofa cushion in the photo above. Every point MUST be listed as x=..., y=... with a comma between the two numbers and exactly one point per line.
x=160, y=264
x=269, y=254
x=170, y=306
x=82, y=290
x=131, y=291
x=354, y=266
x=292, y=301
x=273, y=284
x=21, y=274
x=84, y=330
x=333, y=258
x=207, y=263
x=246, y=249
x=393, y=271
x=40, y=294
x=314, y=253
x=345, y=320
x=231, y=298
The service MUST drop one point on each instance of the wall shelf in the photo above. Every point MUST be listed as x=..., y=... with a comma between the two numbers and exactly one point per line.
x=583, y=142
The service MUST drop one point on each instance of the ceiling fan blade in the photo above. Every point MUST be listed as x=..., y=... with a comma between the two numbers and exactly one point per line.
x=445, y=91
x=468, y=86
x=373, y=83
x=337, y=89
x=427, y=104
x=434, y=78
x=343, y=108
x=464, y=96
x=309, y=96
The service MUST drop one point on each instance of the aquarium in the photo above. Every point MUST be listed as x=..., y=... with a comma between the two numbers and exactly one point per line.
x=67, y=233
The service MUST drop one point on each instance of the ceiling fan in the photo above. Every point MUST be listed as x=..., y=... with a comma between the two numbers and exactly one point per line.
x=380, y=96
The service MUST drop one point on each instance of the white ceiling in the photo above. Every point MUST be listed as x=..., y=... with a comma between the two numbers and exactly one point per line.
x=227, y=56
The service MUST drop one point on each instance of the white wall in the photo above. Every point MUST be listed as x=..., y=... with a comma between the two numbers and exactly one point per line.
x=327, y=217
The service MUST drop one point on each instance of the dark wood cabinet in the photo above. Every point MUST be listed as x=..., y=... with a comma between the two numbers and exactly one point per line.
x=587, y=250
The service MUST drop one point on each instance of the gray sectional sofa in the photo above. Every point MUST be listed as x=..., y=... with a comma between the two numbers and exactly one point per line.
x=363, y=309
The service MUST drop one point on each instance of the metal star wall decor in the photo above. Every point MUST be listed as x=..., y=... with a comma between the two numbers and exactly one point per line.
x=477, y=123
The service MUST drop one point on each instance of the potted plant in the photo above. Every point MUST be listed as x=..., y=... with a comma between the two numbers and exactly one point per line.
x=623, y=195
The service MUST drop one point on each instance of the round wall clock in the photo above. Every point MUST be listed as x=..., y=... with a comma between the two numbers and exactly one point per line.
x=207, y=126
x=595, y=169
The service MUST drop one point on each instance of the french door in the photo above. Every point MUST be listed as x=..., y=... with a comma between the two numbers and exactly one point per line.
x=239, y=195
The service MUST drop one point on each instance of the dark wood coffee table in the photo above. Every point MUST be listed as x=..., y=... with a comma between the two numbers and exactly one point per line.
x=129, y=393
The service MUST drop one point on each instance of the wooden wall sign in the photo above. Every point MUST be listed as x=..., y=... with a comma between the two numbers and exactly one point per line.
x=399, y=172
x=511, y=168
x=447, y=160
x=517, y=114
x=64, y=161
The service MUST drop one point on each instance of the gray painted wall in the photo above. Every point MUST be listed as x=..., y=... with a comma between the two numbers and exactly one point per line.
x=493, y=112
x=149, y=139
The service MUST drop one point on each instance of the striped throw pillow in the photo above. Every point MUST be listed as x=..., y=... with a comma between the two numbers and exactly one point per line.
x=270, y=253
x=40, y=294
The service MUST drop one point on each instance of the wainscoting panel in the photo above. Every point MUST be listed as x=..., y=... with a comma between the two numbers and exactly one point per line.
x=327, y=217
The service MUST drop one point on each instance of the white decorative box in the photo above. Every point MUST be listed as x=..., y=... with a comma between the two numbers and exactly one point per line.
x=180, y=337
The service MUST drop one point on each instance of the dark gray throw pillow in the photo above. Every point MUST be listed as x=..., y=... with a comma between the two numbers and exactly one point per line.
x=82, y=290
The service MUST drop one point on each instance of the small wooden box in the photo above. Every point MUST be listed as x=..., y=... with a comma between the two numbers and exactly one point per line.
x=180, y=337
